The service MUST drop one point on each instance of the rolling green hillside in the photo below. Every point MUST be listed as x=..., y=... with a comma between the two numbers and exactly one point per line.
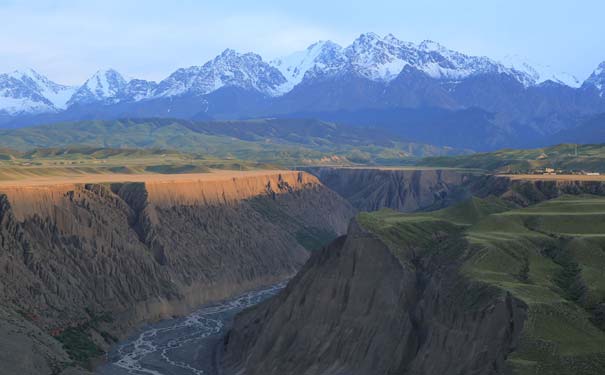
x=74, y=161
x=550, y=255
x=283, y=141
x=563, y=156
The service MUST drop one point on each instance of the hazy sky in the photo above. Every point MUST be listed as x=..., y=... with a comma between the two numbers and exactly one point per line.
x=70, y=40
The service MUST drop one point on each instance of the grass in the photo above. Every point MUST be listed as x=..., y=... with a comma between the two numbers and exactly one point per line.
x=563, y=156
x=287, y=142
x=74, y=161
x=78, y=343
x=550, y=255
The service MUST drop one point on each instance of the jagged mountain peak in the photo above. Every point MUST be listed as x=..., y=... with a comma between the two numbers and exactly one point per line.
x=370, y=56
x=368, y=37
x=429, y=45
x=235, y=59
x=319, y=58
x=539, y=73
x=28, y=73
x=230, y=68
x=597, y=79
x=381, y=58
x=27, y=91
x=104, y=86
x=108, y=73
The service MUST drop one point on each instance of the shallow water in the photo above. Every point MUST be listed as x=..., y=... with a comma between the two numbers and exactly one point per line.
x=182, y=346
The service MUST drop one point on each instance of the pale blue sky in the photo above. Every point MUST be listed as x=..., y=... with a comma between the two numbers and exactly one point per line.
x=70, y=40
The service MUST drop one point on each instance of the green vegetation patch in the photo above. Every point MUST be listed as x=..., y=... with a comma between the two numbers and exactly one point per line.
x=286, y=142
x=78, y=343
x=563, y=156
x=177, y=169
x=550, y=255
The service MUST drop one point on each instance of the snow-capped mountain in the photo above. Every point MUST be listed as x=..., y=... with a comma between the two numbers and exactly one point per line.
x=138, y=89
x=105, y=86
x=383, y=58
x=540, y=73
x=110, y=87
x=29, y=92
x=373, y=59
x=597, y=79
x=230, y=68
x=324, y=57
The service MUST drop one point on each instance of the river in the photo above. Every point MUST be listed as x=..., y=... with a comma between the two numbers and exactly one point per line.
x=181, y=346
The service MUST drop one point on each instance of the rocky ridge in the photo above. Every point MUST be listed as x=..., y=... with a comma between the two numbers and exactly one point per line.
x=360, y=307
x=370, y=56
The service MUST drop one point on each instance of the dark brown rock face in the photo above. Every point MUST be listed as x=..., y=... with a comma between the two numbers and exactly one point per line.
x=527, y=192
x=401, y=190
x=356, y=308
x=144, y=251
x=430, y=189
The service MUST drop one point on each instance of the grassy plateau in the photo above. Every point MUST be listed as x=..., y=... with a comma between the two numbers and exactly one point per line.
x=550, y=255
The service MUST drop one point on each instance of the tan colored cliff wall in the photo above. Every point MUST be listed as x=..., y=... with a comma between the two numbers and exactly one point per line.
x=142, y=251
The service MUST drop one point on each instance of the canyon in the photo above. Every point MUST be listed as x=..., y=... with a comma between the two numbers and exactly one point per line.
x=506, y=284
x=84, y=263
x=356, y=308
x=87, y=259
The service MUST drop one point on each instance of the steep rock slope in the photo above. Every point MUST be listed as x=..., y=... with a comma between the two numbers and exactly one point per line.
x=401, y=190
x=525, y=192
x=361, y=307
x=87, y=262
x=409, y=190
x=477, y=288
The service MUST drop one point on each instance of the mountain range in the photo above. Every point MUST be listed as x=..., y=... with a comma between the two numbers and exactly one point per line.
x=374, y=73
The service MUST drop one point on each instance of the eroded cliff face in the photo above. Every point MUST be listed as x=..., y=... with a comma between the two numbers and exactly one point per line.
x=431, y=189
x=526, y=192
x=401, y=190
x=361, y=307
x=97, y=259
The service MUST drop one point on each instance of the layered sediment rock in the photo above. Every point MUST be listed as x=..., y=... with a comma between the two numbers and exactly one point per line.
x=410, y=190
x=401, y=190
x=357, y=308
x=526, y=192
x=101, y=258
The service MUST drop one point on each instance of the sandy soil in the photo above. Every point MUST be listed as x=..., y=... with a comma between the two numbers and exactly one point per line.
x=215, y=175
x=559, y=177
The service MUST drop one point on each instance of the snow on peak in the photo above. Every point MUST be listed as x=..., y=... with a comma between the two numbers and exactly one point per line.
x=597, y=79
x=321, y=56
x=375, y=57
x=27, y=91
x=383, y=58
x=230, y=68
x=104, y=86
x=378, y=58
x=540, y=73
x=105, y=83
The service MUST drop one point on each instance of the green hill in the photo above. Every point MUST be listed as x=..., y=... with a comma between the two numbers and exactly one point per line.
x=283, y=141
x=563, y=156
x=550, y=255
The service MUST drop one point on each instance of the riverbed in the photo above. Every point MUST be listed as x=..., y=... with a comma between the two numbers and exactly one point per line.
x=181, y=346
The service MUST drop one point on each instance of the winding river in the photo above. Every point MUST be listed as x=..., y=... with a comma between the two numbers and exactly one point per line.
x=181, y=346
